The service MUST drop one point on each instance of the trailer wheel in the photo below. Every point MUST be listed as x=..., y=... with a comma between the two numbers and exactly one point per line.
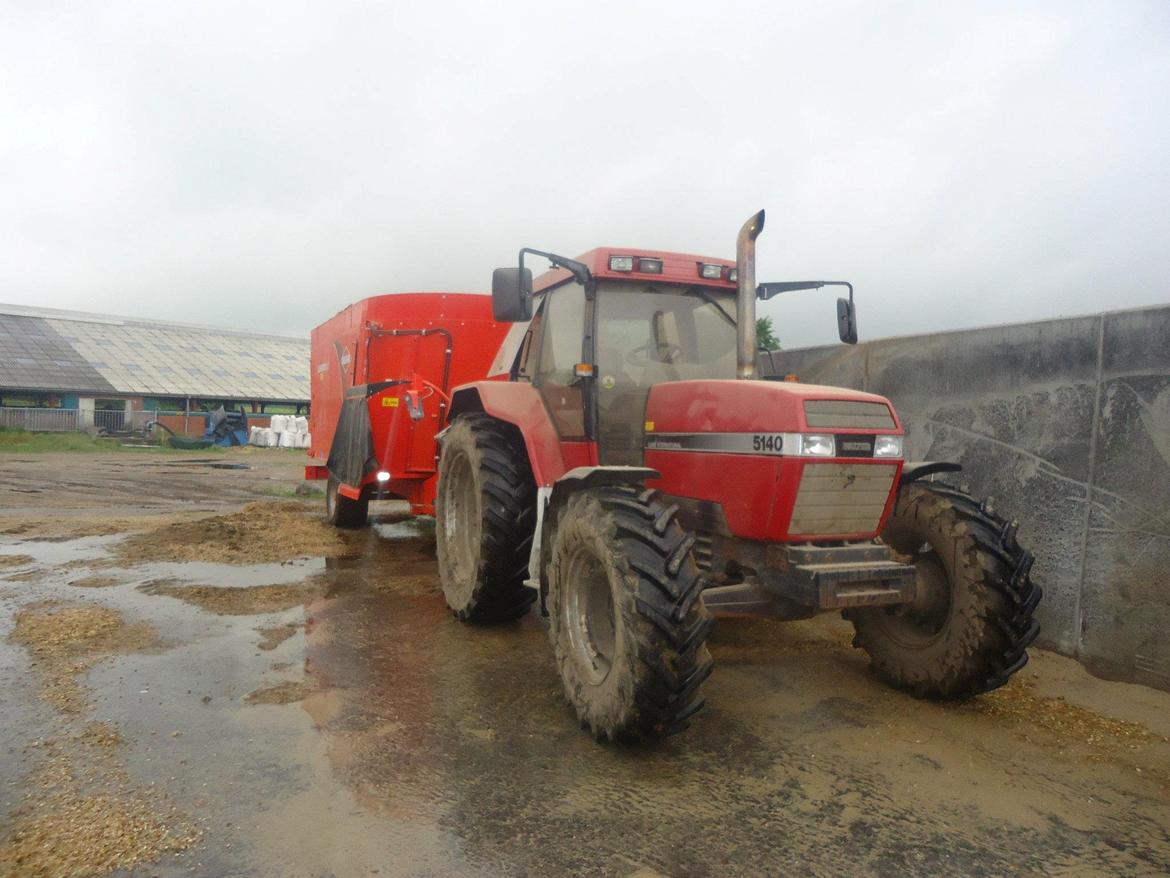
x=342, y=511
x=968, y=628
x=485, y=518
x=626, y=614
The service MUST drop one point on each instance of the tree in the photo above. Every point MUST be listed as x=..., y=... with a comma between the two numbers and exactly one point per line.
x=765, y=335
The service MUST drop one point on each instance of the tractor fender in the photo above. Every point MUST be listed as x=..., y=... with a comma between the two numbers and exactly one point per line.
x=912, y=471
x=595, y=476
x=520, y=404
x=549, y=501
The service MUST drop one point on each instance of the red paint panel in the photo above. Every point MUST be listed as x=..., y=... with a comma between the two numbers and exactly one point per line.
x=519, y=403
x=757, y=492
x=745, y=485
x=677, y=268
x=731, y=406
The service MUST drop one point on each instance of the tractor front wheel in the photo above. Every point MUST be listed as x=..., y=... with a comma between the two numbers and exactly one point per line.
x=485, y=518
x=342, y=511
x=970, y=623
x=626, y=615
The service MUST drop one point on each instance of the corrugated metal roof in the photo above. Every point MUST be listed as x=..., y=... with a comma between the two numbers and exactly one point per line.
x=43, y=349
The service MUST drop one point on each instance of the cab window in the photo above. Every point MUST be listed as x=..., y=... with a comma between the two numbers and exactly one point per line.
x=563, y=320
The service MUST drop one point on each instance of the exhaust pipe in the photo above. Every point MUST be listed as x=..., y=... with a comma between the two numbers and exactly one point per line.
x=745, y=268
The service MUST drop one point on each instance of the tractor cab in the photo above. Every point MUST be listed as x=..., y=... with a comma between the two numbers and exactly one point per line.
x=597, y=333
x=596, y=342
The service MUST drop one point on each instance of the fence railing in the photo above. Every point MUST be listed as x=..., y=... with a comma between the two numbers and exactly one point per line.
x=110, y=420
x=46, y=420
x=41, y=420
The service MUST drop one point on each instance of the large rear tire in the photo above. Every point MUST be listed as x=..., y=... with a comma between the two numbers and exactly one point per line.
x=485, y=517
x=969, y=626
x=342, y=511
x=626, y=614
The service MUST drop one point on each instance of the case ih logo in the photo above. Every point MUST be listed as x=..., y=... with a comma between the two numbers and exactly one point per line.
x=855, y=446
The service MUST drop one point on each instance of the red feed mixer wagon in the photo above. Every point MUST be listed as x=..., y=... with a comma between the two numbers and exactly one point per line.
x=382, y=373
x=602, y=442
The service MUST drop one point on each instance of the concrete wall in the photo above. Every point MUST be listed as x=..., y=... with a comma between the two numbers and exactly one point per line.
x=1066, y=424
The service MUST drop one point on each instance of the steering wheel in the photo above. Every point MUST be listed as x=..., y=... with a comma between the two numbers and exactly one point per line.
x=654, y=353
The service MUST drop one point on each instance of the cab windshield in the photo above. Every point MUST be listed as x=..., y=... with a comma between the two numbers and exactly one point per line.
x=648, y=334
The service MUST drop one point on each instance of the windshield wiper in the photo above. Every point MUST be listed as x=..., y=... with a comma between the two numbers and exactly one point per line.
x=710, y=300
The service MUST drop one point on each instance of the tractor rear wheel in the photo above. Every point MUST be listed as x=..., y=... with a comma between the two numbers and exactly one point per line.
x=342, y=511
x=626, y=614
x=968, y=628
x=485, y=518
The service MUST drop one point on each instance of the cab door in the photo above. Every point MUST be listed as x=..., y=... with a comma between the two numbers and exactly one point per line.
x=550, y=364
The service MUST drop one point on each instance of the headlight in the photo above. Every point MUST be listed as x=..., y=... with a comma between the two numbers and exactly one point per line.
x=382, y=476
x=817, y=445
x=887, y=446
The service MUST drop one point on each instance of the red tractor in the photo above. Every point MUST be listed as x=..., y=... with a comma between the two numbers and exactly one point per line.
x=623, y=463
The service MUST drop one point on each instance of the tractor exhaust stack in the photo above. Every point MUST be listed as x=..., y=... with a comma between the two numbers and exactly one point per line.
x=745, y=267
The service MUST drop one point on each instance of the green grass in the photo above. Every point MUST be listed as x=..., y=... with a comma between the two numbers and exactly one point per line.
x=23, y=442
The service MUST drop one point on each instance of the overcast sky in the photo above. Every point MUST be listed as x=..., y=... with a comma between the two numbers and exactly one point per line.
x=264, y=165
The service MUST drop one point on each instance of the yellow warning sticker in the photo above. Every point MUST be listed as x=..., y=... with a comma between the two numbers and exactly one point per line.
x=649, y=426
x=390, y=402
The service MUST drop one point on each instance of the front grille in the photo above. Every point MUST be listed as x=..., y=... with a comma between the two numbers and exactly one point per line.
x=837, y=499
x=848, y=414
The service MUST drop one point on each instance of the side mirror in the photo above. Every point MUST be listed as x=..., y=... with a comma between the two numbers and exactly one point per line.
x=846, y=321
x=512, y=295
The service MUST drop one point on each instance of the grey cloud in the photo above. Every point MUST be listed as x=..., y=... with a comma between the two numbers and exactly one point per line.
x=266, y=164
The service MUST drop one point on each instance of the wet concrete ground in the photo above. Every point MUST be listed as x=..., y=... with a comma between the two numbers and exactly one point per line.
x=413, y=745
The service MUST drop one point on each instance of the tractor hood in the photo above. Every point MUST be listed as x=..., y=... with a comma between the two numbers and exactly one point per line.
x=731, y=406
x=775, y=461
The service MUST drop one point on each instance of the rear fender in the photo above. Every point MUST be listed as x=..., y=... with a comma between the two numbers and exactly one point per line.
x=520, y=404
x=549, y=501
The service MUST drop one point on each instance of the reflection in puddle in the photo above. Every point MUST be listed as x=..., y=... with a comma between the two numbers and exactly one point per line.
x=407, y=529
x=231, y=575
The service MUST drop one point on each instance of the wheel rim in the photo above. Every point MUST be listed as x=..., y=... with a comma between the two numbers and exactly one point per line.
x=588, y=615
x=461, y=519
x=923, y=619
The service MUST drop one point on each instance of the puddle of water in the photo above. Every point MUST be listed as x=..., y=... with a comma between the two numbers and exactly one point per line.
x=426, y=746
x=231, y=575
x=61, y=552
x=409, y=529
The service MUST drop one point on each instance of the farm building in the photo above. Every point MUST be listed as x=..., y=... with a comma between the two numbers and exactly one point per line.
x=68, y=370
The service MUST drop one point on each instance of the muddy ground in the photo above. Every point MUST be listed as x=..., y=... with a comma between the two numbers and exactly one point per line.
x=198, y=677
